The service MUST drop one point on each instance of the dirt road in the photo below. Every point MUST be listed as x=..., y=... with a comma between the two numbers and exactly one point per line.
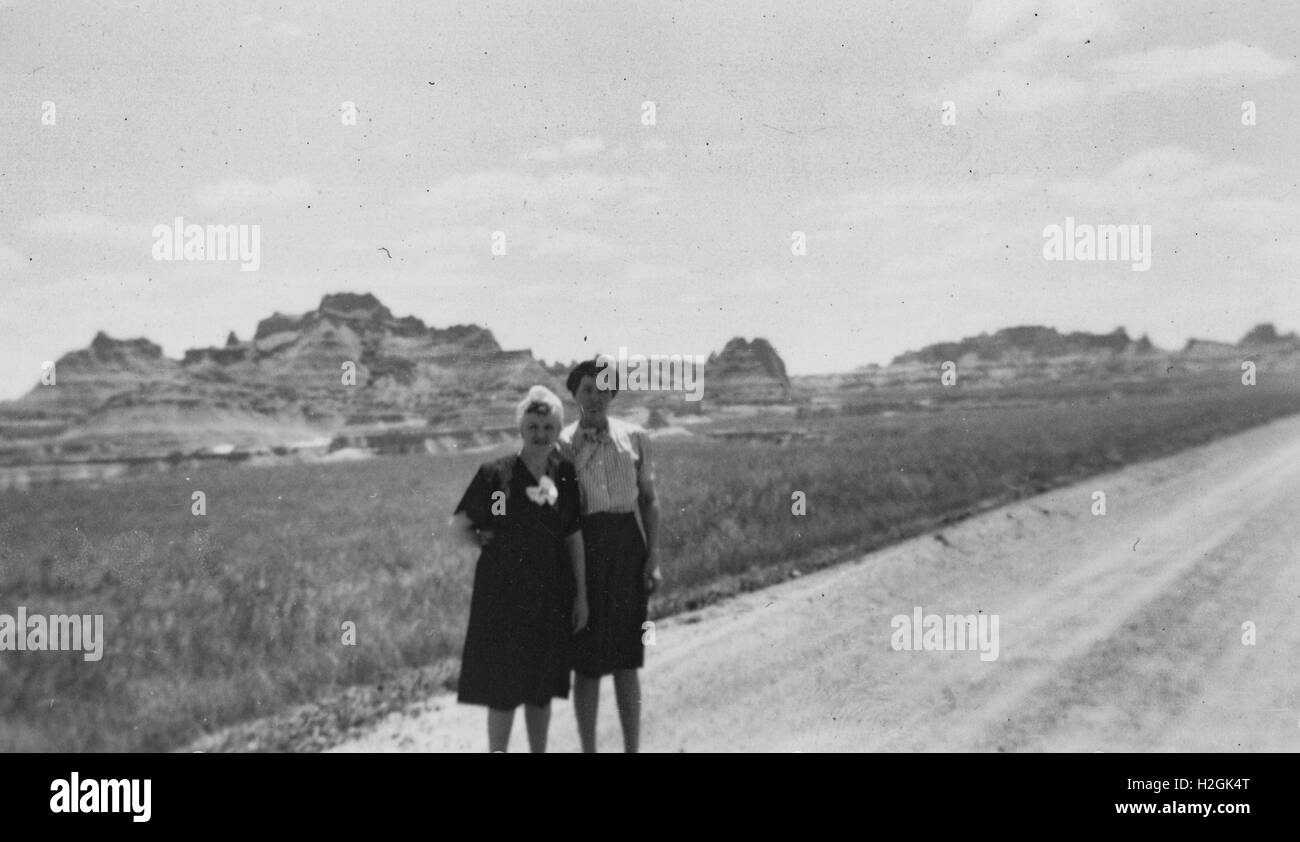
x=1116, y=632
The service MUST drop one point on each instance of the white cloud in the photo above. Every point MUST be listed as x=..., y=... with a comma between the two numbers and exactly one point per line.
x=1038, y=25
x=654, y=144
x=578, y=147
x=396, y=151
x=542, y=217
x=868, y=206
x=1223, y=65
x=1065, y=25
x=289, y=30
x=446, y=251
x=12, y=260
x=1170, y=69
x=283, y=28
x=89, y=226
x=1284, y=250
x=461, y=239
x=1199, y=208
x=580, y=245
x=994, y=17
x=492, y=186
x=245, y=193
x=925, y=264
x=503, y=190
x=1009, y=83
x=471, y=242
x=1030, y=29
x=1027, y=31
x=1260, y=213
x=1194, y=205
x=1168, y=179
x=1004, y=90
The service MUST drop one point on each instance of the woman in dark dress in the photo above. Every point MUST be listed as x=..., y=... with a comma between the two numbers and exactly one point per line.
x=529, y=586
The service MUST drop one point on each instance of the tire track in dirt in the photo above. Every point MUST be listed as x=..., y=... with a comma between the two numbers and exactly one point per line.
x=1120, y=632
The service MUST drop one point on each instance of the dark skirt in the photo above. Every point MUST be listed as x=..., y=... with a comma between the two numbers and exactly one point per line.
x=616, y=596
x=517, y=645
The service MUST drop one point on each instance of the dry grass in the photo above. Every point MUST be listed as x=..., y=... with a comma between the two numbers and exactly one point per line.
x=218, y=619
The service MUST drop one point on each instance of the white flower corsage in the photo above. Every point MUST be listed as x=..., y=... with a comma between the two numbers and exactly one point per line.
x=544, y=493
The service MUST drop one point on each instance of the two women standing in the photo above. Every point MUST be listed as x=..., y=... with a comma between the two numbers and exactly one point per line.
x=568, y=530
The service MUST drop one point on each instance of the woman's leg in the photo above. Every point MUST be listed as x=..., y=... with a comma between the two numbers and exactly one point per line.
x=627, y=691
x=499, y=722
x=586, y=699
x=538, y=720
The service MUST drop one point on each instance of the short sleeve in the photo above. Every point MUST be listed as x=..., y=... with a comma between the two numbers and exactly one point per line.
x=477, y=501
x=569, y=500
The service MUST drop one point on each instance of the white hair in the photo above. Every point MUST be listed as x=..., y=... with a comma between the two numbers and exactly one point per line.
x=542, y=401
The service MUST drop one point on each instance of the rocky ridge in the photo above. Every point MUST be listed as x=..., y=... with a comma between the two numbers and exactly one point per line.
x=348, y=366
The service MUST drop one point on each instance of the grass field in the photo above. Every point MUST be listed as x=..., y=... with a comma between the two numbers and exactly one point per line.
x=218, y=619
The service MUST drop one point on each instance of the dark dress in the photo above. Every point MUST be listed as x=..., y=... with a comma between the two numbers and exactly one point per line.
x=517, y=646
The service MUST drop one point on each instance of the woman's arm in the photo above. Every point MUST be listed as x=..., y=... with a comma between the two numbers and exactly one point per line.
x=474, y=506
x=464, y=533
x=578, y=558
x=648, y=503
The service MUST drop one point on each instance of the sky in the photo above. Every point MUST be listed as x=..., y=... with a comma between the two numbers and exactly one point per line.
x=921, y=223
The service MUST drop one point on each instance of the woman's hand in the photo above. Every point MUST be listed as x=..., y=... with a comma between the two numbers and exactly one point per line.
x=463, y=533
x=653, y=578
x=579, y=613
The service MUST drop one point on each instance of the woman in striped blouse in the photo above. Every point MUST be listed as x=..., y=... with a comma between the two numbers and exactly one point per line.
x=616, y=484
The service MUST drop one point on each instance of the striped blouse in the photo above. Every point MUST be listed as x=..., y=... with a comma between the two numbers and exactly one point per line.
x=611, y=464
